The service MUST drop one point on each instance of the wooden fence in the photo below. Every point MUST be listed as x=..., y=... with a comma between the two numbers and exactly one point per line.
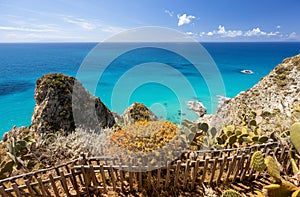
x=85, y=176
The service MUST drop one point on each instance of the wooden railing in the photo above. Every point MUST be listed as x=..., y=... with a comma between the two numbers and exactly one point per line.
x=102, y=174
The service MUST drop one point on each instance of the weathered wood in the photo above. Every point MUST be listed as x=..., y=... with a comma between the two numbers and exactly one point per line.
x=103, y=177
x=149, y=180
x=168, y=175
x=52, y=182
x=223, y=162
x=195, y=173
x=186, y=173
x=45, y=192
x=74, y=182
x=3, y=192
x=231, y=166
x=140, y=182
x=112, y=176
x=246, y=168
x=29, y=188
x=64, y=183
x=16, y=190
x=215, y=163
x=93, y=176
x=177, y=171
x=158, y=178
x=205, y=169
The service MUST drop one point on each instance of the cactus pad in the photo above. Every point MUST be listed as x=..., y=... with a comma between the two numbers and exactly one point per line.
x=258, y=162
x=273, y=168
x=295, y=135
x=231, y=193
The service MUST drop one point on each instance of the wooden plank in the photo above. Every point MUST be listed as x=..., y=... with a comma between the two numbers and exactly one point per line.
x=186, y=173
x=223, y=162
x=64, y=183
x=177, y=171
x=121, y=179
x=112, y=176
x=239, y=167
x=215, y=163
x=168, y=175
x=246, y=168
x=231, y=165
x=45, y=192
x=93, y=177
x=195, y=172
x=158, y=178
x=52, y=182
x=140, y=177
x=16, y=190
x=30, y=190
x=3, y=192
x=103, y=177
x=149, y=180
x=130, y=180
x=74, y=182
x=205, y=169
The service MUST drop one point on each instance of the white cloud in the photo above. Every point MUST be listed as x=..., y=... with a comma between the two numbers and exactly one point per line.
x=8, y=28
x=80, y=22
x=273, y=33
x=210, y=33
x=230, y=33
x=112, y=29
x=255, y=32
x=278, y=26
x=292, y=35
x=169, y=13
x=184, y=19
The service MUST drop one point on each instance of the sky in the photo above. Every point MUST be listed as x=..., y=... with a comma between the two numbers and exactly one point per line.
x=97, y=20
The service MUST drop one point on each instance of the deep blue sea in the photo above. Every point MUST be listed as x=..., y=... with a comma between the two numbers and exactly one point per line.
x=21, y=64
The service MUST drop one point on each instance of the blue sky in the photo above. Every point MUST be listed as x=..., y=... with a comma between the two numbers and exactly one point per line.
x=94, y=21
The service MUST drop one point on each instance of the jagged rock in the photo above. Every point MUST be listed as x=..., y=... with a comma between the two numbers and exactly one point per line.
x=137, y=112
x=276, y=97
x=197, y=107
x=62, y=103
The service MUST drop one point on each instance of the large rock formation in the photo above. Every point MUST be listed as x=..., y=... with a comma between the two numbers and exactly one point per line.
x=62, y=103
x=275, y=100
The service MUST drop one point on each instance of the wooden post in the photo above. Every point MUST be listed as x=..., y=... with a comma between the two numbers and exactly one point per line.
x=215, y=163
x=53, y=185
x=177, y=172
x=186, y=173
x=168, y=175
x=205, y=169
x=195, y=173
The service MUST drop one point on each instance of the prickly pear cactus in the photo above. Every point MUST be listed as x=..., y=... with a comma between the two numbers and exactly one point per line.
x=296, y=193
x=295, y=135
x=273, y=168
x=285, y=188
x=258, y=161
x=231, y=193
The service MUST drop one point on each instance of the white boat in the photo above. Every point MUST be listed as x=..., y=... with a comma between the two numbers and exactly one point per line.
x=247, y=71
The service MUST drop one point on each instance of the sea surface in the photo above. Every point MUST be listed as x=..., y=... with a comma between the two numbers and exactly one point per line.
x=21, y=64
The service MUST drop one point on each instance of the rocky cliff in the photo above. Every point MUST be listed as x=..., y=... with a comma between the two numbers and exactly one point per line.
x=62, y=103
x=274, y=102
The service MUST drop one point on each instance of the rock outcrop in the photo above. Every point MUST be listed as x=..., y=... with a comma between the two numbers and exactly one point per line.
x=275, y=100
x=62, y=103
x=136, y=112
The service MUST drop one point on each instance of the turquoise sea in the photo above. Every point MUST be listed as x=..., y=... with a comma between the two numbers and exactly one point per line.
x=21, y=64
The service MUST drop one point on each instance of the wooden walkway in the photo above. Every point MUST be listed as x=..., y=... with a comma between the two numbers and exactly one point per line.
x=84, y=176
